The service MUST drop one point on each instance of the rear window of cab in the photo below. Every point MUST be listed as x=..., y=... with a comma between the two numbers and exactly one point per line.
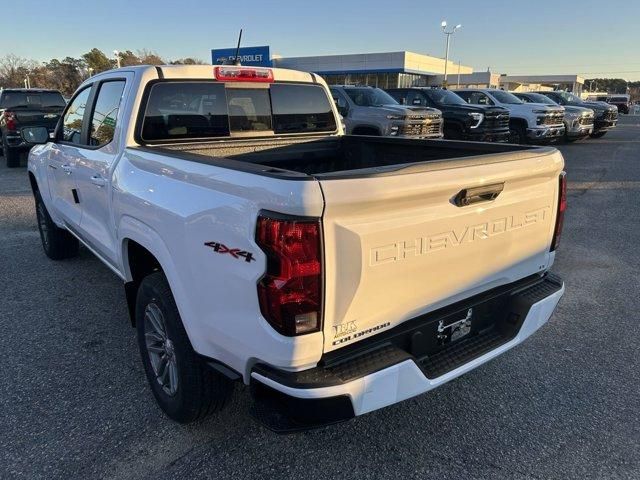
x=179, y=110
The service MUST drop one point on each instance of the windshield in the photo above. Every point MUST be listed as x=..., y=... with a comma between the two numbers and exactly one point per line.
x=506, y=97
x=32, y=100
x=370, y=97
x=619, y=99
x=538, y=98
x=569, y=97
x=444, y=97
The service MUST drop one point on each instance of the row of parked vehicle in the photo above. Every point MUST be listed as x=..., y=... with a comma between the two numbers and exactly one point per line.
x=486, y=115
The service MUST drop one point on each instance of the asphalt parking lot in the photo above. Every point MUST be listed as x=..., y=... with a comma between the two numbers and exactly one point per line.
x=74, y=402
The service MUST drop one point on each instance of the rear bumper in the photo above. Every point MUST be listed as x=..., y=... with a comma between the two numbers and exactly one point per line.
x=395, y=368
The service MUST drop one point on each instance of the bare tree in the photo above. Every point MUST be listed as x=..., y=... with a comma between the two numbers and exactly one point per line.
x=187, y=61
x=128, y=58
x=14, y=69
x=149, y=57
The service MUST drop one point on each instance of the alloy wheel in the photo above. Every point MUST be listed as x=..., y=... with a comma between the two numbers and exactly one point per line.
x=160, y=349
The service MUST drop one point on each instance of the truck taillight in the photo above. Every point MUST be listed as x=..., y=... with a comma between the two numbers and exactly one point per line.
x=243, y=74
x=10, y=120
x=290, y=292
x=562, y=206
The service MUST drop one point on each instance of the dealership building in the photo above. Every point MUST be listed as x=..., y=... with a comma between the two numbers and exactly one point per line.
x=397, y=69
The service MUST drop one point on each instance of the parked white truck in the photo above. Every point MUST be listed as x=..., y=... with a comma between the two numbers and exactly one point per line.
x=333, y=274
x=528, y=122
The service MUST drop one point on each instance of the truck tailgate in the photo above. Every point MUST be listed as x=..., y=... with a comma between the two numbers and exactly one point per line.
x=397, y=245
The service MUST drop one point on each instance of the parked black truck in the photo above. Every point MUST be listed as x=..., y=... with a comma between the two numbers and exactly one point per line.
x=484, y=123
x=22, y=107
x=623, y=102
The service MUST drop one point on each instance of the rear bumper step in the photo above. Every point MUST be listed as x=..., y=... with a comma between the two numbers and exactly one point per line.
x=410, y=359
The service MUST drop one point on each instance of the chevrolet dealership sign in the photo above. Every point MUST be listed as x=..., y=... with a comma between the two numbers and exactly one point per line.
x=252, y=56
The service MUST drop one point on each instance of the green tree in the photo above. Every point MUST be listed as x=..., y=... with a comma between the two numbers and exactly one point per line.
x=97, y=61
x=64, y=75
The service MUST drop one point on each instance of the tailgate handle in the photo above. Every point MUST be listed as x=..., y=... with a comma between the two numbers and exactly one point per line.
x=486, y=193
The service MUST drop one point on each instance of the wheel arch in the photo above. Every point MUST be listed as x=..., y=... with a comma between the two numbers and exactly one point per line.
x=33, y=182
x=366, y=128
x=520, y=122
x=143, y=252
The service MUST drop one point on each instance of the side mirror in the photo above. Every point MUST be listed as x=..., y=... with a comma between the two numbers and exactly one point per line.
x=35, y=135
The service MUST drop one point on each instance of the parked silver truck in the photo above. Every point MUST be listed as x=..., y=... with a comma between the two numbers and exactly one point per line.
x=372, y=111
x=578, y=121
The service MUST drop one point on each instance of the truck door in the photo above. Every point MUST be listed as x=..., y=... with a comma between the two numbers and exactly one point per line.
x=63, y=159
x=94, y=172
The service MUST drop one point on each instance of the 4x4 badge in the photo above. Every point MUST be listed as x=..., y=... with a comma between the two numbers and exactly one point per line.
x=234, y=252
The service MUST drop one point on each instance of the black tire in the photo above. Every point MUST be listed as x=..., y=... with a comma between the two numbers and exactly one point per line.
x=372, y=132
x=598, y=134
x=57, y=243
x=12, y=156
x=453, y=132
x=199, y=390
x=517, y=134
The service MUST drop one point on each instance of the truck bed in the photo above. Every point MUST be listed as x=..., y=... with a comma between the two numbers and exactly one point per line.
x=345, y=156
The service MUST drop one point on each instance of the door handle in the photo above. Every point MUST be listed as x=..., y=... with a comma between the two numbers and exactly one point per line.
x=98, y=180
x=66, y=168
x=469, y=196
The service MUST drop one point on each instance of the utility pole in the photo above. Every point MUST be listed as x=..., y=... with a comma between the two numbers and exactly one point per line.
x=446, y=55
x=459, y=62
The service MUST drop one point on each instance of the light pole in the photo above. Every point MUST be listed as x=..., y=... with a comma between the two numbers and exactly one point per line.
x=117, y=54
x=446, y=57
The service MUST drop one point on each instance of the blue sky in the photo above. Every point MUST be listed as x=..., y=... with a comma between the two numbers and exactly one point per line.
x=594, y=38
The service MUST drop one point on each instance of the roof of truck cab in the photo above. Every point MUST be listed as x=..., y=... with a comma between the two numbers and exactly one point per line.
x=206, y=72
x=30, y=90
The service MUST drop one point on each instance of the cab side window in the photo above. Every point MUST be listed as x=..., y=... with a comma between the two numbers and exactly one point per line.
x=105, y=113
x=73, y=118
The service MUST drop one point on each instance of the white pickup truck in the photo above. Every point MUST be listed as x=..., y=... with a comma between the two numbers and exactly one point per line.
x=334, y=274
